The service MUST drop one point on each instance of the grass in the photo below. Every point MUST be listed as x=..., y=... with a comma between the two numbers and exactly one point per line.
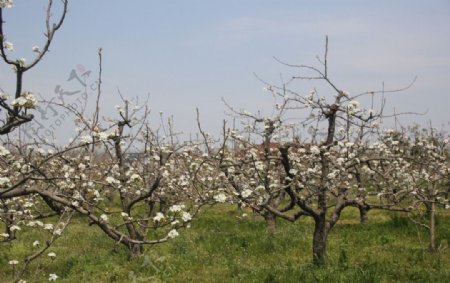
x=220, y=247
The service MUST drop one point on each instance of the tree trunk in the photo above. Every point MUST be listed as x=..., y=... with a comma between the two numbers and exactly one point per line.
x=432, y=213
x=9, y=221
x=363, y=214
x=271, y=222
x=320, y=240
x=110, y=196
x=239, y=207
x=134, y=250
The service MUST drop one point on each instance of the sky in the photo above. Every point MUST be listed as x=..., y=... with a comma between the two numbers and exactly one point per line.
x=190, y=54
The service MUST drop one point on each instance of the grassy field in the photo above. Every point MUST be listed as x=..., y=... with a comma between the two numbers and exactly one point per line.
x=221, y=247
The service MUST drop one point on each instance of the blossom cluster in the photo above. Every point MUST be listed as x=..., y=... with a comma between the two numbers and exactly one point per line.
x=6, y=4
x=26, y=100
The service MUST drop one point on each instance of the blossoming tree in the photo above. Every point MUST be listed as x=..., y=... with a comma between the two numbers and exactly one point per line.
x=316, y=178
x=24, y=210
x=427, y=179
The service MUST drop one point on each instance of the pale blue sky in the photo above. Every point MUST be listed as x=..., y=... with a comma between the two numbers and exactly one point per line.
x=189, y=54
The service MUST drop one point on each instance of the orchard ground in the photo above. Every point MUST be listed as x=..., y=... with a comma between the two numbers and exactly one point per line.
x=223, y=246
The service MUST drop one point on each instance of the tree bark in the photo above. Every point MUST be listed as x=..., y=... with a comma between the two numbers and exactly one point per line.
x=56, y=207
x=432, y=213
x=320, y=240
x=9, y=221
x=363, y=214
x=134, y=250
x=271, y=222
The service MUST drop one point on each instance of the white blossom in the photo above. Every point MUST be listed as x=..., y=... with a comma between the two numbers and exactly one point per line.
x=186, y=216
x=135, y=178
x=4, y=96
x=21, y=61
x=8, y=45
x=315, y=150
x=6, y=4
x=86, y=139
x=103, y=136
x=159, y=216
x=14, y=228
x=340, y=161
x=246, y=193
x=353, y=107
x=48, y=226
x=26, y=100
x=220, y=198
x=52, y=277
x=331, y=175
x=4, y=181
x=173, y=233
x=111, y=180
x=175, y=208
x=104, y=217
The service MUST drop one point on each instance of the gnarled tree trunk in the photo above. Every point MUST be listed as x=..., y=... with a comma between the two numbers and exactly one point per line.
x=320, y=240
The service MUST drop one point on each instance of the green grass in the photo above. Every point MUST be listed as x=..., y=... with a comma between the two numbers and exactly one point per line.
x=222, y=248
